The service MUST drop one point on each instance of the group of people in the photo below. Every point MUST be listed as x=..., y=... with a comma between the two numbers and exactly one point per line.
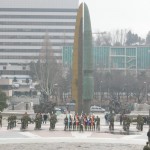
x=109, y=119
x=126, y=120
x=11, y=121
x=81, y=122
x=26, y=119
x=90, y=122
x=39, y=118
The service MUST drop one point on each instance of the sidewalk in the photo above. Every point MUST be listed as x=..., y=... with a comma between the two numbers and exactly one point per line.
x=69, y=146
x=66, y=140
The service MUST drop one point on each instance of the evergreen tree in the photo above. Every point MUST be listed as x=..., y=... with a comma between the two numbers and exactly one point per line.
x=132, y=38
x=3, y=99
x=148, y=38
x=129, y=40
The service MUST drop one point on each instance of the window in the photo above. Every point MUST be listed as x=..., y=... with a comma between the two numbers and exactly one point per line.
x=4, y=67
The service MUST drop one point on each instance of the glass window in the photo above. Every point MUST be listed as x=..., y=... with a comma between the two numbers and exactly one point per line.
x=37, y=23
x=37, y=10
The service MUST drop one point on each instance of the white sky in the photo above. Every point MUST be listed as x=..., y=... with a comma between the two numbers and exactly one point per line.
x=109, y=15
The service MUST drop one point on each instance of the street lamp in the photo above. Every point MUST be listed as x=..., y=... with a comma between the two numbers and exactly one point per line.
x=146, y=91
x=126, y=91
x=100, y=93
x=56, y=92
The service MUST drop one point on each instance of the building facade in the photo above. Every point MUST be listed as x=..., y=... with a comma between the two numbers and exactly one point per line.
x=23, y=26
x=6, y=86
x=127, y=59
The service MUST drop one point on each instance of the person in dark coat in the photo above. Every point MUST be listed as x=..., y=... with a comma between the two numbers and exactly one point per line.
x=66, y=123
x=146, y=147
x=98, y=123
x=44, y=118
x=121, y=119
x=1, y=119
x=148, y=135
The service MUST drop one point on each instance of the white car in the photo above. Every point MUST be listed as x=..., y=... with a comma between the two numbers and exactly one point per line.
x=96, y=109
x=15, y=85
x=57, y=111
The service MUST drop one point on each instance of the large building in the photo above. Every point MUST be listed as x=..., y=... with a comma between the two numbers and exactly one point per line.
x=6, y=86
x=23, y=26
x=127, y=59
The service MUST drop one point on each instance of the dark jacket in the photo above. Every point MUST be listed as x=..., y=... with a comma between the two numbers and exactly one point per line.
x=148, y=133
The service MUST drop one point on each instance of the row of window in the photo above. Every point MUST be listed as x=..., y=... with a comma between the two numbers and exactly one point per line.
x=32, y=44
x=37, y=10
x=26, y=50
x=12, y=72
x=23, y=67
x=38, y=23
x=33, y=37
x=38, y=16
x=18, y=64
x=24, y=57
x=37, y=30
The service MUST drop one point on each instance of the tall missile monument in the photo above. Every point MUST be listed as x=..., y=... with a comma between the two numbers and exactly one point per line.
x=82, y=78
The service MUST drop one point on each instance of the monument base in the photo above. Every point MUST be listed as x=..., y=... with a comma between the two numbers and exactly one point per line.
x=86, y=106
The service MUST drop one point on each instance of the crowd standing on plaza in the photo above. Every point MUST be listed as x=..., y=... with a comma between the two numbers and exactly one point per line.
x=81, y=122
x=75, y=122
x=26, y=119
x=126, y=121
x=90, y=122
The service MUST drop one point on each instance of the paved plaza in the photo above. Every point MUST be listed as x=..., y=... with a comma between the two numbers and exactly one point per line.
x=66, y=140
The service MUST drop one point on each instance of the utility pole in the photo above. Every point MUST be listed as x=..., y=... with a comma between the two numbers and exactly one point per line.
x=146, y=91
x=149, y=119
x=100, y=93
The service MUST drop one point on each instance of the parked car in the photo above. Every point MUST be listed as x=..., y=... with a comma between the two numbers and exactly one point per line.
x=96, y=109
x=57, y=111
x=62, y=109
x=70, y=106
x=15, y=85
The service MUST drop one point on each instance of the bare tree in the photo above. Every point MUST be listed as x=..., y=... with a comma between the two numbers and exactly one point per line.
x=103, y=39
x=47, y=71
x=139, y=91
x=119, y=37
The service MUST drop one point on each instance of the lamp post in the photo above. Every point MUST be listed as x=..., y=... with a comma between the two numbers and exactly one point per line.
x=56, y=92
x=100, y=93
x=146, y=91
x=126, y=90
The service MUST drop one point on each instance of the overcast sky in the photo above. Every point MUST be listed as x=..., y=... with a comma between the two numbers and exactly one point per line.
x=109, y=15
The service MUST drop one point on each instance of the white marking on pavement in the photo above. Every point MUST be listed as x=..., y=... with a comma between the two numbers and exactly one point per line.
x=28, y=134
x=81, y=134
x=130, y=137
